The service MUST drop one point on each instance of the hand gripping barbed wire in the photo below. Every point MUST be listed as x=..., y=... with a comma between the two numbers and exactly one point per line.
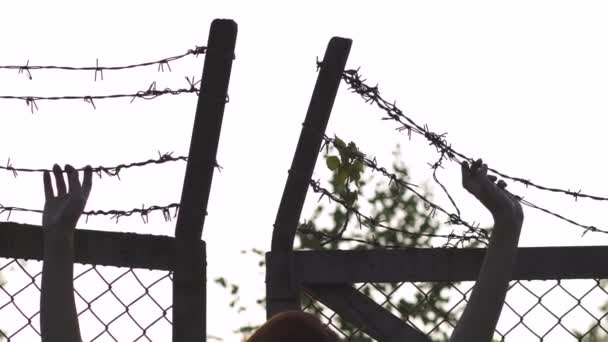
x=162, y=64
x=372, y=95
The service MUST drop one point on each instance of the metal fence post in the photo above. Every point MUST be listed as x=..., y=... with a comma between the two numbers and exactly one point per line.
x=282, y=289
x=189, y=279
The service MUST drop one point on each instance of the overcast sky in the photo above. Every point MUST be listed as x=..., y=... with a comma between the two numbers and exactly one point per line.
x=521, y=84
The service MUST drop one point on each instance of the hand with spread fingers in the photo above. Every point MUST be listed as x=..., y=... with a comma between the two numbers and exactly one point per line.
x=58, y=316
x=61, y=212
x=493, y=195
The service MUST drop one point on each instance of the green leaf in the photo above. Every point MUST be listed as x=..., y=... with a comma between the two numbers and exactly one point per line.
x=356, y=176
x=358, y=166
x=352, y=148
x=340, y=145
x=333, y=162
x=342, y=175
x=221, y=281
x=235, y=289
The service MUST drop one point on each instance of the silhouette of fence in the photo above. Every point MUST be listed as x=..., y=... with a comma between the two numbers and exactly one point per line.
x=123, y=280
x=555, y=294
x=347, y=285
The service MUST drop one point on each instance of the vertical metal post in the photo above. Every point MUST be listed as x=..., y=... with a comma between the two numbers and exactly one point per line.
x=189, y=278
x=282, y=289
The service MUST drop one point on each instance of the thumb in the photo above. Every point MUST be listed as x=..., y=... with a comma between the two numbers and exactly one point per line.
x=464, y=167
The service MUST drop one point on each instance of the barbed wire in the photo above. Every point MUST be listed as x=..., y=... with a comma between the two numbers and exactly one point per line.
x=114, y=213
x=162, y=64
x=112, y=171
x=372, y=95
x=149, y=94
x=325, y=237
x=586, y=227
x=452, y=240
x=473, y=232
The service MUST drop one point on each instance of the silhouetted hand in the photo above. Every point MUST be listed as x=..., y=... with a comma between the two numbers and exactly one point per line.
x=61, y=212
x=500, y=202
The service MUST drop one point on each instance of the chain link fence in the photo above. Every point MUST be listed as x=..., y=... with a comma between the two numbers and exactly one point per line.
x=113, y=303
x=538, y=310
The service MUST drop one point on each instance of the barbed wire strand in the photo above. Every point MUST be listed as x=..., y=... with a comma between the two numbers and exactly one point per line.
x=372, y=95
x=150, y=94
x=587, y=228
x=112, y=171
x=114, y=213
x=162, y=63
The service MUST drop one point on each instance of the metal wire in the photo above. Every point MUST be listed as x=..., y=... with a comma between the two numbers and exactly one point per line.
x=115, y=304
x=162, y=64
x=550, y=311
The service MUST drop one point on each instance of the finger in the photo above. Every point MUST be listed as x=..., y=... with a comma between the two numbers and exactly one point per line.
x=483, y=170
x=475, y=166
x=464, y=166
x=492, y=178
x=59, y=180
x=48, y=187
x=466, y=172
x=87, y=181
x=73, y=181
x=501, y=184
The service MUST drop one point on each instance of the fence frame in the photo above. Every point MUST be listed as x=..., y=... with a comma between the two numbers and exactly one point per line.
x=154, y=252
x=190, y=273
x=328, y=275
x=185, y=254
x=282, y=291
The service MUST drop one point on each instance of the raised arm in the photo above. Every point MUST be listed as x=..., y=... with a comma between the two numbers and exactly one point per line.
x=58, y=319
x=479, y=318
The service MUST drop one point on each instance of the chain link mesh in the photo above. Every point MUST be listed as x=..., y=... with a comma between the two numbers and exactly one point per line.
x=113, y=303
x=538, y=310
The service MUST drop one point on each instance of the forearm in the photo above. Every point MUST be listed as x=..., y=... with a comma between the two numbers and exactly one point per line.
x=485, y=304
x=58, y=319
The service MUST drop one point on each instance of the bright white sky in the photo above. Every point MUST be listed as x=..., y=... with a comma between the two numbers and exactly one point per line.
x=521, y=84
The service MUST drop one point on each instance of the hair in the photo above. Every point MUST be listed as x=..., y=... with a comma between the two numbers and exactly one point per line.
x=294, y=326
